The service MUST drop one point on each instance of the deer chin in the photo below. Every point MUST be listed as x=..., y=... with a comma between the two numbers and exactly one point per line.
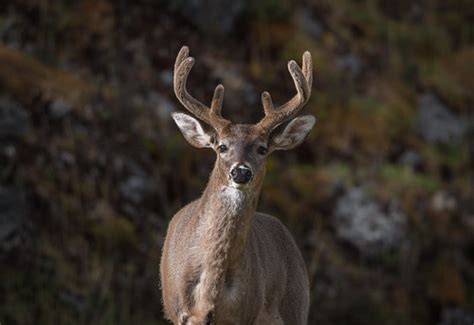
x=238, y=186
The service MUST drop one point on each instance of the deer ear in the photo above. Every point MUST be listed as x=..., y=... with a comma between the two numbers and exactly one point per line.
x=192, y=130
x=293, y=134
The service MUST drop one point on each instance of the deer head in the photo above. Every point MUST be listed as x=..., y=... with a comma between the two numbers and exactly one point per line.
x=242, y=149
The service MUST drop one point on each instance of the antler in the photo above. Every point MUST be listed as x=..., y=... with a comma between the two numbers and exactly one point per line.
x=212, y=115
x=303, y=79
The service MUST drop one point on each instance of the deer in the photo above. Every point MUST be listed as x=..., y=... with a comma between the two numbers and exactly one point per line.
x=222, y=261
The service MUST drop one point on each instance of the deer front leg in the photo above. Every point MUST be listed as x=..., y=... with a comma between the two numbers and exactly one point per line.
x=185, y=319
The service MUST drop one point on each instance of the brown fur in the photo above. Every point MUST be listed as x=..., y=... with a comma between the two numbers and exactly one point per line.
x=223, y=262
x=241, y=266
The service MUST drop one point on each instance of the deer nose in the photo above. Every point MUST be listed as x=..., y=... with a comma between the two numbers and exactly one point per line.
x=241, y=174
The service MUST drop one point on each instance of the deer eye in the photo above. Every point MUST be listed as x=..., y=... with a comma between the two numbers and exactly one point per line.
x=262, y=150
x=222, y=148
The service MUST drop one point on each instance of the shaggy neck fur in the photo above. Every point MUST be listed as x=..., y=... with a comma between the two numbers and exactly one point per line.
x=223, y=231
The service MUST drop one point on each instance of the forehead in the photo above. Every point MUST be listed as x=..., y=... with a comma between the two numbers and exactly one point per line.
x=242, y=132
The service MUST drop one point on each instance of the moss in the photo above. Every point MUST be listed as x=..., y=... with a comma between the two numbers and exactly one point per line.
x=401, y=177
x=25, y=77
x=446, y=283
x=359, y=128
x=453, y=156
x=151, y=145
x=400, y=110
x=340, y=169
x=269, y=10
x=115, y=231
x=296, y=46
x=453, y=78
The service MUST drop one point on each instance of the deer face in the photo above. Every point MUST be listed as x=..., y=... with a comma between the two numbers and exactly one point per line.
x=241, y=154
x=242, y=149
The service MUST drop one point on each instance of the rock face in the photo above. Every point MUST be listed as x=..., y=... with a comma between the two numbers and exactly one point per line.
x=436, y=124
x=14, y=119
x=363, y=223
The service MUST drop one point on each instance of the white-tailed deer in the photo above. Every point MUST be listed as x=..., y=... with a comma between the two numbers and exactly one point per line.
x=223, y=262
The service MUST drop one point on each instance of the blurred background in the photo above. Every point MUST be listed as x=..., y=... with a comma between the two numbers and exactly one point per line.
x=92, y=168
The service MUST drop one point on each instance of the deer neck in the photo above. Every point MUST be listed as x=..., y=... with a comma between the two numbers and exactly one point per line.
x=225, y=219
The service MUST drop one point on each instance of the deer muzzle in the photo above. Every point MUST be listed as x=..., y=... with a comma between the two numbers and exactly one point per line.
x=241, y=174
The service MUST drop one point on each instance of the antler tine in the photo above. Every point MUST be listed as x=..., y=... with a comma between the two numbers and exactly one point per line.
x=308, y=68
x=267, y=102
x=303, y=79
x=217, y=99
x=182, y=55
x=211, y=116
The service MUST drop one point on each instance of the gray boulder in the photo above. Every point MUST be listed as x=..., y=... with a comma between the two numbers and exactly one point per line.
x=58, y=108
x=362, y=222
x=435, y=123
x=411, y=159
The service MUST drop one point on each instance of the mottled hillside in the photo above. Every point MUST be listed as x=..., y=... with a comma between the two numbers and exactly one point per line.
x=379, y=197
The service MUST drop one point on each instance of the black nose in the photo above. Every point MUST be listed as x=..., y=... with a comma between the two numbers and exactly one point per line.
x=241, y=174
